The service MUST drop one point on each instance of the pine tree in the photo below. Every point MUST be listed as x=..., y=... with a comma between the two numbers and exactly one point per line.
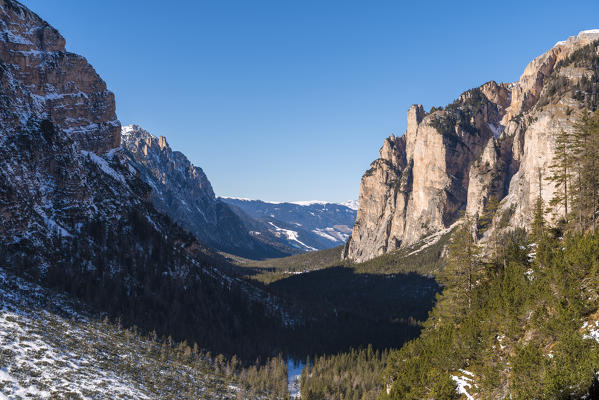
x=561, y=169
x=463, y=266
x=487, y=221
x=538, y=223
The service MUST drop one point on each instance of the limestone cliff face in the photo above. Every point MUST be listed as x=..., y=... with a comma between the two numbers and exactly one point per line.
x=495, y=140
x=48, y=81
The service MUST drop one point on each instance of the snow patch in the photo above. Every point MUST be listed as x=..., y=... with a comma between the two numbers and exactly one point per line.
x=12, y=38
x=464, y=382
x=592, y=329
x=339, y=233
x=497, y=130
x=325, y=235
x=103, y=164
x=293, y=236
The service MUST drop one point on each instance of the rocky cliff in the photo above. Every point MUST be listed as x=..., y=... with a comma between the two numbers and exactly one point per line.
x=183, y=192
x=48, y=81
x=59, y=137
x=494, y=140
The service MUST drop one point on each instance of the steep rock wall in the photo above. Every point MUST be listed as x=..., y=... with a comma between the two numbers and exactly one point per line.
x=495, y=140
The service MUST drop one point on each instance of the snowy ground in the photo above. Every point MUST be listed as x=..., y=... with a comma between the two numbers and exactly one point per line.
x=49, y=350
x=43, y=354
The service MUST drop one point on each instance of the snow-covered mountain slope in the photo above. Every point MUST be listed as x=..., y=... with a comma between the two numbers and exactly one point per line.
x=52, y=348
x=306, y=225
x=75, y=215
x=183, y=192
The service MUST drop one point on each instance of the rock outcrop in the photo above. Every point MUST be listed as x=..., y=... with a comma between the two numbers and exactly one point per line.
x=48, y=81
x=495, y=140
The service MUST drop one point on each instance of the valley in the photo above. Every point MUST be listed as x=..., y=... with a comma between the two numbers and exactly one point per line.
x=467, y=268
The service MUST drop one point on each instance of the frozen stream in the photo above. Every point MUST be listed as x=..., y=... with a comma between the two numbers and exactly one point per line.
x=294, y=369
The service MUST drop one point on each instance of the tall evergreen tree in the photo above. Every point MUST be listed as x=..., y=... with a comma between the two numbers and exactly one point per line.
x=487, y=221
x=538, y=223
x=588, y=130
x=583, y=149
x=561, y=169
x=463, y=266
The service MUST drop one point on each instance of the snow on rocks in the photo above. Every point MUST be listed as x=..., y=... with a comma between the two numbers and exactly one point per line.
x=103, y=164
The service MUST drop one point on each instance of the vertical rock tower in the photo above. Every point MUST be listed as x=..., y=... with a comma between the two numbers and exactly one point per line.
x=494, y=140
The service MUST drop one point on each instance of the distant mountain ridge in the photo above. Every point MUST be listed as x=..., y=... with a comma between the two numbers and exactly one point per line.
x=242, y=227
x=353, y=204
x=307, y=225
x=183, y=192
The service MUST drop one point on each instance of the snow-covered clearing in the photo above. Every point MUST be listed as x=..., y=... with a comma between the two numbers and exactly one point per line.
x=293, y=236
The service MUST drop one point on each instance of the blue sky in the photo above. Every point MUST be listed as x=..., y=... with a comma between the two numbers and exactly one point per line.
x=283, y=100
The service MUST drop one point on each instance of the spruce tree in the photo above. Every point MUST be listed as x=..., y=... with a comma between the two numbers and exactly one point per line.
x=561, y=169
x=487, y=221
x=579, y=153
x=583, y=150
x=538, y=223
x=463, y=266
x=589, y=130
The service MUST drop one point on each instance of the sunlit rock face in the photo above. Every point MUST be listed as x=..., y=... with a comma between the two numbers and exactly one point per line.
x=495, y=140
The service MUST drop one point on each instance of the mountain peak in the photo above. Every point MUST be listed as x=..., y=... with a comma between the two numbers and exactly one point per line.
x=52, y=83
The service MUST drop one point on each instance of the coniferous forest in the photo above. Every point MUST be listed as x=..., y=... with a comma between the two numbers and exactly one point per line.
x=516, y=313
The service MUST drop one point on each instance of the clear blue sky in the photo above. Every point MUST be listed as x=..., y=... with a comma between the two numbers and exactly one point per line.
x=283, y=100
